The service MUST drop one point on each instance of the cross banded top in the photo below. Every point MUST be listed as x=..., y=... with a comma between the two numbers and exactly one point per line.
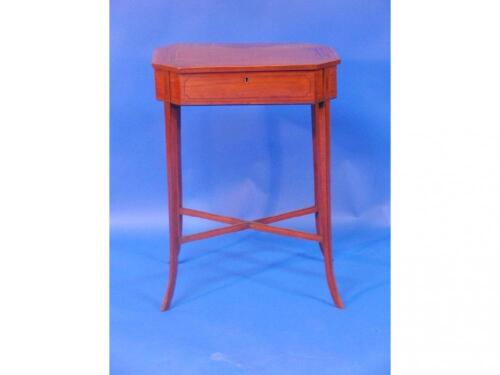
x=243, y=57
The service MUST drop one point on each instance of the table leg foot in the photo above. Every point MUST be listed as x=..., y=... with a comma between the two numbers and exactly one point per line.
x=172, y=276
x=330, y=277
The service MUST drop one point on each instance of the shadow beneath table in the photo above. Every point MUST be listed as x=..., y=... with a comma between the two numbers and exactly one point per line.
x=254, y=267
x=228, y=278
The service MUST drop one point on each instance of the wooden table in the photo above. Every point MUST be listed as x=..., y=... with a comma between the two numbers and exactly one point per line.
x=219, y=74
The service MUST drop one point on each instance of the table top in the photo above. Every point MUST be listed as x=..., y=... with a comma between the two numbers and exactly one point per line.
x=243, y=57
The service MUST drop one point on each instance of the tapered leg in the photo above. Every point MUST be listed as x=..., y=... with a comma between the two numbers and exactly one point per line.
x=321, y=139
x=316, y=174
x=172, y=131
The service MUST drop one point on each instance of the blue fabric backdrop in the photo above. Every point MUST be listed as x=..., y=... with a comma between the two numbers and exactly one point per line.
x=250, y=303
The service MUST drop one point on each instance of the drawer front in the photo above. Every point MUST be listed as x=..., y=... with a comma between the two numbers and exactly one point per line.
x=244, y=88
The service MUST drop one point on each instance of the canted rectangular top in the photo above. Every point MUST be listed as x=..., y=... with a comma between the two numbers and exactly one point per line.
x=243, y=57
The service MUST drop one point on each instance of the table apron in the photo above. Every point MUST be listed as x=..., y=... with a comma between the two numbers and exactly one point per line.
x=270, y=87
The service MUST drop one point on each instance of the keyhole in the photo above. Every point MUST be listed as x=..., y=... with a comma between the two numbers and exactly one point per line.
x=246, y=79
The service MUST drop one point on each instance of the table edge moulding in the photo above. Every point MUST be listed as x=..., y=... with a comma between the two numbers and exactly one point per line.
x=257, y=73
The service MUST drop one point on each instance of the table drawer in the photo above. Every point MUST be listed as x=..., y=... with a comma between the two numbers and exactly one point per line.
x=244, y=88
